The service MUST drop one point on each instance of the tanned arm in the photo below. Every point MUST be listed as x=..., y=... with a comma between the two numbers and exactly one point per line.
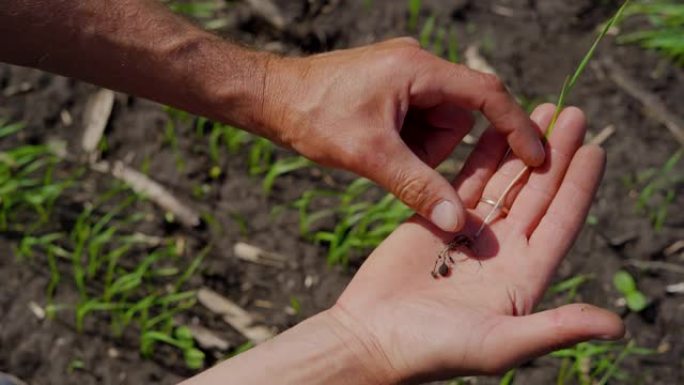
x=141, y=48
x=390, y=111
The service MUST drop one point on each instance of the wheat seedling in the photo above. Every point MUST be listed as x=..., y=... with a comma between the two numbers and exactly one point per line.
x=464, y=243
x=567, y=87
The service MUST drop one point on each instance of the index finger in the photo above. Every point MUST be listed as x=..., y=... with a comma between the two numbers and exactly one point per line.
x=443, y=82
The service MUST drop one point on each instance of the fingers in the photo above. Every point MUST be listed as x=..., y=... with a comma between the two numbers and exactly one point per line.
x=499, y=181
x=479, y=167
x=419, y=187
x=536, y=195
x=485, y=159
x=428, y=139
x=566, y=215
x=518, y=339
x=442, y=82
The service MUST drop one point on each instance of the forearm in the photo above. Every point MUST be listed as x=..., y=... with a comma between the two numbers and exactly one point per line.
x=317, y=351
x=138, y=47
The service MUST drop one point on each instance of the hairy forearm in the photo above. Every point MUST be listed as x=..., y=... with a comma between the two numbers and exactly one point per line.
x=320, y=350
x=138, y=47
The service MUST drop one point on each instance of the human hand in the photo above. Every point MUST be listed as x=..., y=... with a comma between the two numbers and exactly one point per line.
x=391, y=112
x=479, y=320
x=396, y=324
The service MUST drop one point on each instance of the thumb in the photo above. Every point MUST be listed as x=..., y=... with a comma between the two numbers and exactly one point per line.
x=420, y=187
x=518, y=339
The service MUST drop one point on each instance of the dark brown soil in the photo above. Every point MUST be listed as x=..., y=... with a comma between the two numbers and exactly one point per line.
x=533, y=47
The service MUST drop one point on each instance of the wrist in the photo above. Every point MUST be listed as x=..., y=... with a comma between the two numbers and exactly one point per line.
x=234, y=92
x=254, y=90
x=322, y=350
x=358, y=348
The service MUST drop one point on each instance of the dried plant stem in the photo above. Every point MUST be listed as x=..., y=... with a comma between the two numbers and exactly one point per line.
x=499, y=203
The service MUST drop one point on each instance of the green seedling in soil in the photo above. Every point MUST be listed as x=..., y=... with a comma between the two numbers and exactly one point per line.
x=241, y=221
x=203, y=11
x=106, y=287
x=211, y=221
x=224, y=135
x=200, y=124
x=241, y=349
x=508, y=378
x=361, y=224
x=659, y=189
x=153, y=314
x=282, y=167
x=295, y=305
x=414, y=7
x=200, y=190
x=569, y=286
x=215, y=137
x=175, y=116
x=626, y=285
x=197, y=9
x=461, y=243
x=146, y=295
x=260, y=156
x=146, y=164
x=592, y=220
x=306, y=218
x=7, y=128
x=452, y=47
x=667, y=33
x=182, y=339
x=26, y=182
x=426, y=32
x=595, y=363
x=438, y=45
x=116, y=290
x=47, y=244
x=234, y=138
x=74, y=365
x=29, y=244
x=588, y=362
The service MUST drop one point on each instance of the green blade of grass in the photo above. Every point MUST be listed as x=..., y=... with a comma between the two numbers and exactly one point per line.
x=570, y=82
x=592, y=50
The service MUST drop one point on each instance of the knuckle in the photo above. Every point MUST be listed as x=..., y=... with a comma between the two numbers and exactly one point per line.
x=412, y=190
x=401, y=56
x=360, y=161
x=492, y=82
x=353, y=158
x=408, y=40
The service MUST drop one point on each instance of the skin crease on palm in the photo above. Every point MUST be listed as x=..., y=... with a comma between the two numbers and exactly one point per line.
x=477, y=319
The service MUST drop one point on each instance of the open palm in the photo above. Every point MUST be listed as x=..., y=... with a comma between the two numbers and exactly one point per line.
x=479, y=319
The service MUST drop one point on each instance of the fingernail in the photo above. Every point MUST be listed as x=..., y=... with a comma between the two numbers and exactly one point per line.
x=444, y=216
x=539, y=152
